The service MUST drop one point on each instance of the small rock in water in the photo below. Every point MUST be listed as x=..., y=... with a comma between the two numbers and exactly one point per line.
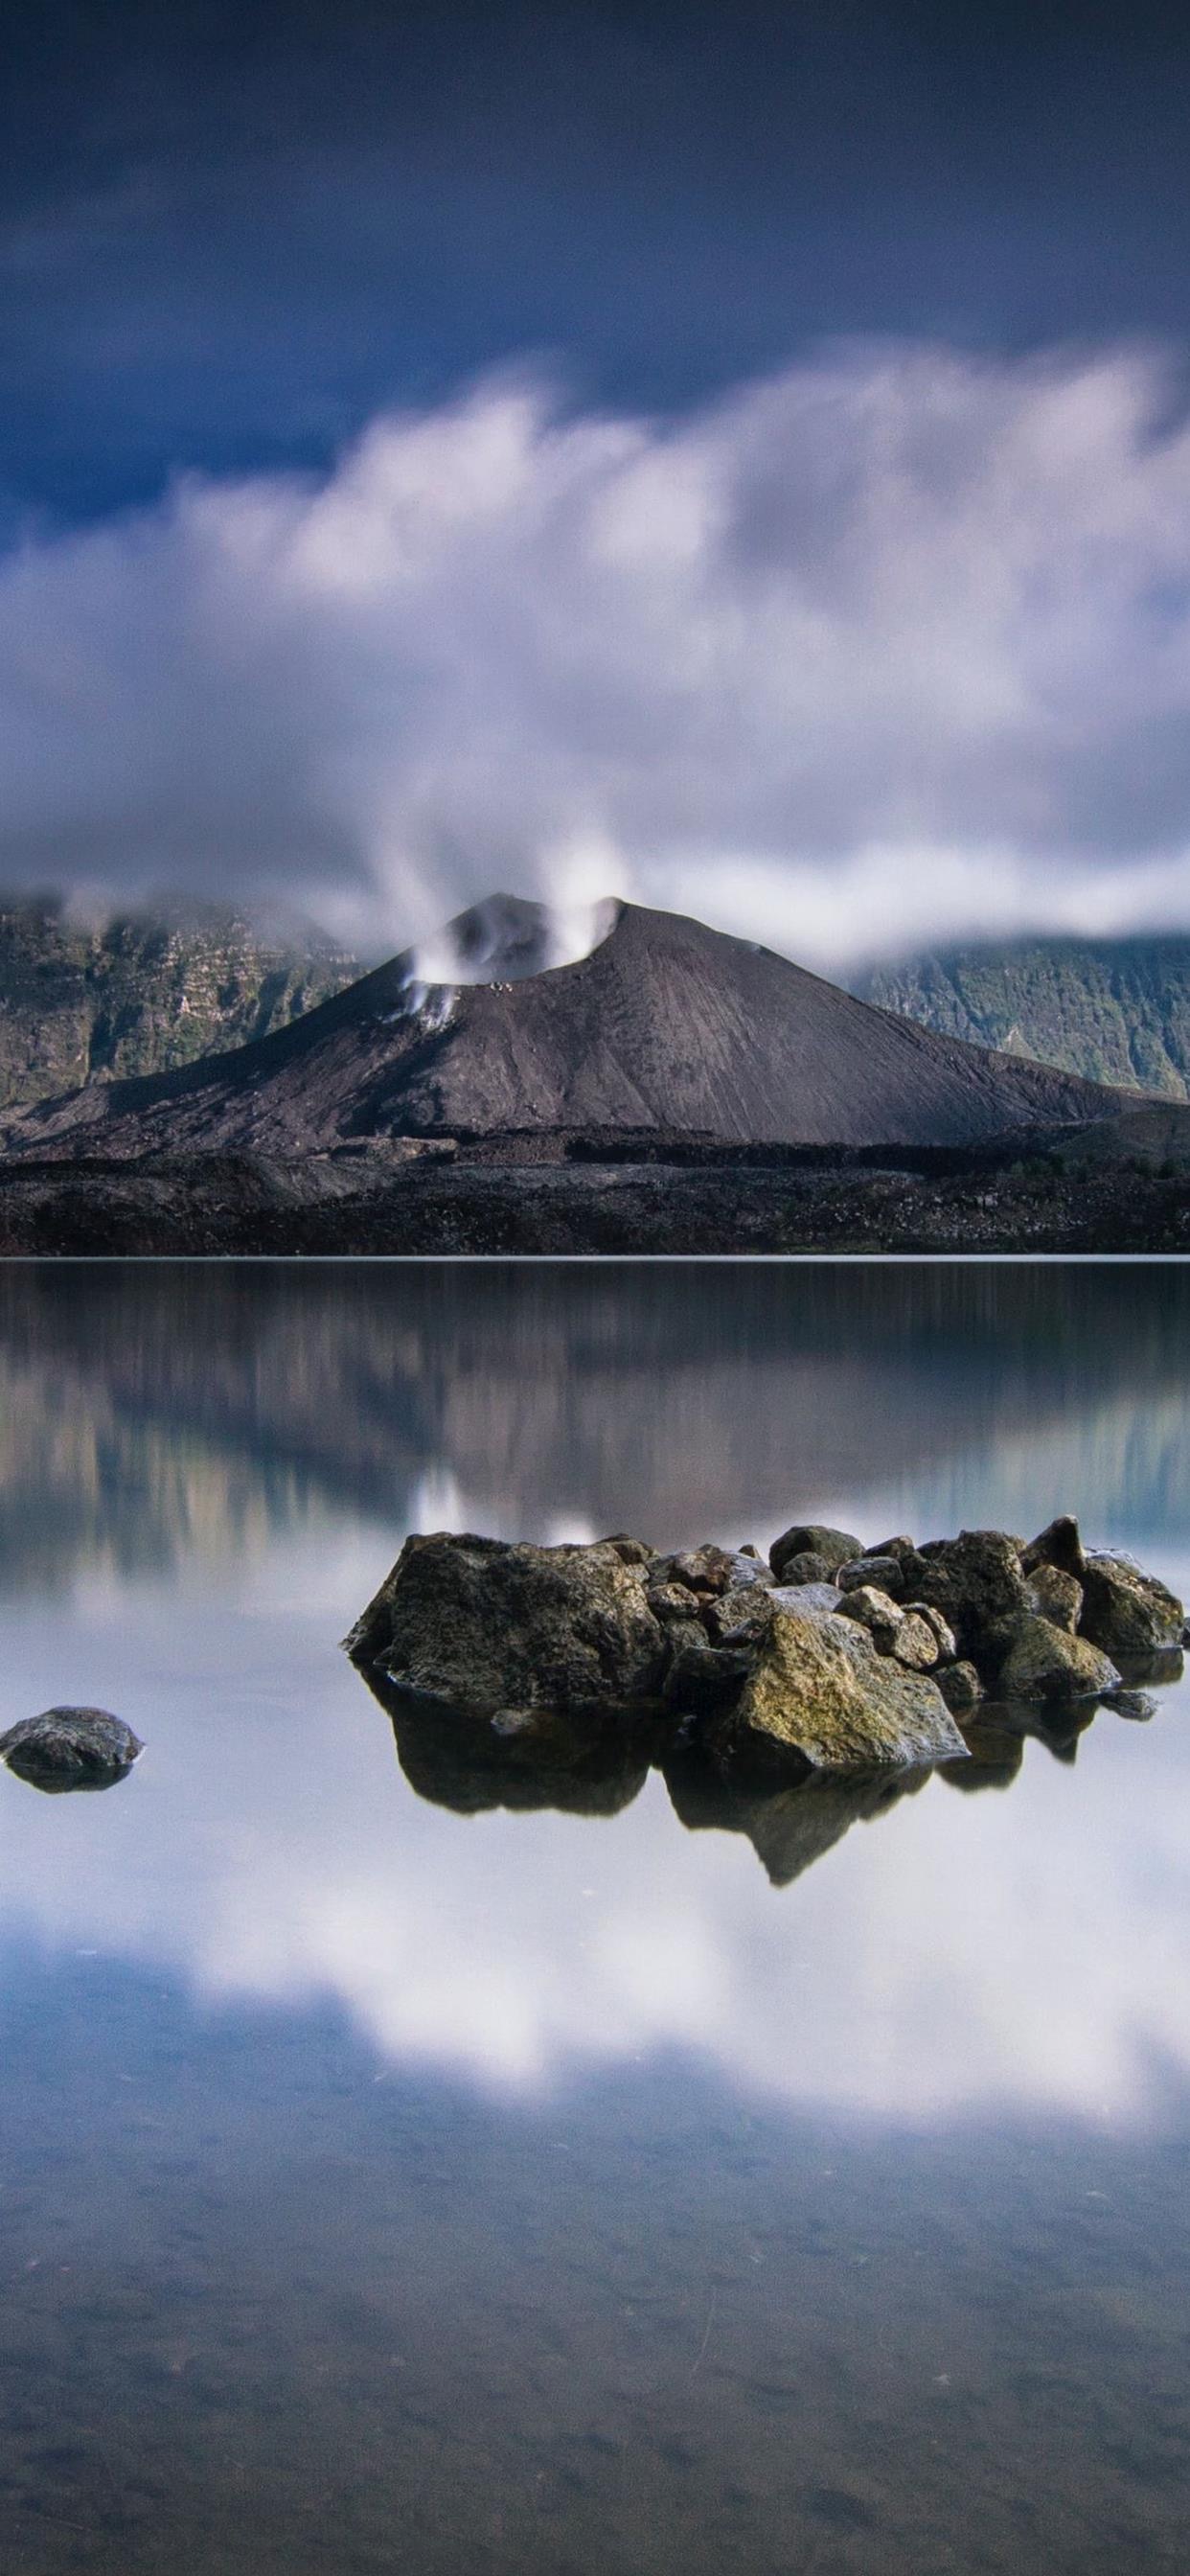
x=71, y=1748
x=1136, y=1704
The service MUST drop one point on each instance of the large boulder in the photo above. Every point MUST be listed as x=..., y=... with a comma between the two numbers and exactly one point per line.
x=819, y=1689
x=1045, y=1662
x=71, y=1748
x=1126, y=1612
x=976, y=1581
x=813, y=1538
x=484, y=1624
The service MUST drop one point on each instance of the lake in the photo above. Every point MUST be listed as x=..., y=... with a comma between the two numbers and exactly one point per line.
x=395, y=2184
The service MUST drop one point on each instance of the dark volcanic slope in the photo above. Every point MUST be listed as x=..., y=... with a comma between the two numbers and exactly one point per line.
x=665, y=1024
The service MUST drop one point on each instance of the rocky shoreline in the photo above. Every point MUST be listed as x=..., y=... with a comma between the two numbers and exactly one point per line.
x=544, y=1671
x=432, y=1204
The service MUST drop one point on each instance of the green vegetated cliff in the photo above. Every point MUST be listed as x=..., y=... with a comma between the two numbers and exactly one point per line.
x=1114, y=1010
x=143, y=993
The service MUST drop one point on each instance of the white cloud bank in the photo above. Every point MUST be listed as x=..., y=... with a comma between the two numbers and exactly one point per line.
x=894, y=646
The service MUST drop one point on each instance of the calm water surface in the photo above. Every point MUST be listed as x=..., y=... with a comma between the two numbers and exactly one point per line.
x=388, y=2187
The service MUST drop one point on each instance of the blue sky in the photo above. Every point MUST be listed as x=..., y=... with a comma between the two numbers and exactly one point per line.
x=735, y=457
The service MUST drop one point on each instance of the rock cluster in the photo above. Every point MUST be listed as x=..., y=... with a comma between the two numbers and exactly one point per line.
x=830, y=1656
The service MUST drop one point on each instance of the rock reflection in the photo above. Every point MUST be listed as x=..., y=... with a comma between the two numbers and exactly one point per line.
x=789, y=1825
x=582, y=1764
x=995, y=1752
x=596, y=1763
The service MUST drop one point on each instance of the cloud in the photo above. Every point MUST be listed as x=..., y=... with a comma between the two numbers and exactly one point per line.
x=892, y=646
x=986, y=1954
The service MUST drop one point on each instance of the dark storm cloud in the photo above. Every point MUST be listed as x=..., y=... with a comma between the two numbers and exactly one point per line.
x=228, y=236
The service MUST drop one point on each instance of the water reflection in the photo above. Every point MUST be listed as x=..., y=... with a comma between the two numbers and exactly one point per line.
x=539, y=2152
x=149, y=1415
x=270, y=1849
x=264, y=2312
x=206, y=1472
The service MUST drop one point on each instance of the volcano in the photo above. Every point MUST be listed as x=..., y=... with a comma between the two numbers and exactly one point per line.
x=664, y=1025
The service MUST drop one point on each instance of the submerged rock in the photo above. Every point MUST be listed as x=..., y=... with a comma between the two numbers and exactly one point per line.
x=71, y=1748
x=1136, y=1705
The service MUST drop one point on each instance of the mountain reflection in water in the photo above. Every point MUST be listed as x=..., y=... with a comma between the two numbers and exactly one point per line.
x=149, y=1412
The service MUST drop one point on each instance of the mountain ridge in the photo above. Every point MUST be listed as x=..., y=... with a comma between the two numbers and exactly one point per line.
x=1112, y=1010
x=144, y=991
x=664, y=1024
